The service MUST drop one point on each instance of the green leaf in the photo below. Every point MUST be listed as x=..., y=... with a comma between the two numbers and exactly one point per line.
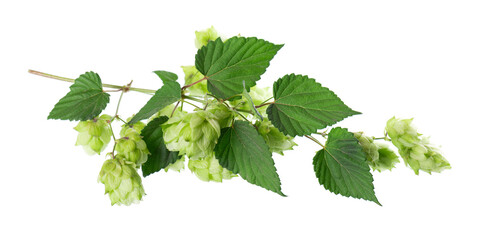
x=84, y=101
x=250, y=101
x=227, y=65
x=160, y=156
x=169, y=93
x=243, y=151
x=341, y=166
x=302, y=106
x=166, y=76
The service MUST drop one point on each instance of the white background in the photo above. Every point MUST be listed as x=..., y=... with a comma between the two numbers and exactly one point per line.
x=383, y=58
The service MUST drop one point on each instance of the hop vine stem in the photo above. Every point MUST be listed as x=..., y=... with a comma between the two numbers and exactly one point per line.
x=64, y=79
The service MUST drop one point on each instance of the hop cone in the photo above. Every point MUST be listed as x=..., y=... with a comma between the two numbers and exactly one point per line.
x=138, y=126
x=177, y=166
x=94, y=135
x=193, y=134
x=379, y=156
x=223, y=115
x=416, y=151
x=208, y=169
x=205, y=36
x=132, y=147
x=276, y=140
x=121, y=182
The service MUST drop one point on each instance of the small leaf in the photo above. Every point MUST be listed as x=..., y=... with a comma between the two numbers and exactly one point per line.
x=341, y=166
x=250, y=101
x=166, y=76
x=160, y=156
x=169, y=93
x=227, y=65
x=302, y=106
x=84, y=101
x=243, y=151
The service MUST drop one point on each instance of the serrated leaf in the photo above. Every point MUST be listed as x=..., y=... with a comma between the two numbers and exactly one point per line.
x=160, y=156
x=84, y=101
x=227, y=65
x=166, y=76
x=341, y=166
x=302, y=106
x=250, y=101
x=243, y=151
x=169, y=93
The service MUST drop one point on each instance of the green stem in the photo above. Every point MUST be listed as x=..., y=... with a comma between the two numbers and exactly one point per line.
x=193, y=99
x=264, y=104
x=315, y=140
x=194, y=83
x=119, y=102
x=191, y=104
x=174, y=110
x=142, y=90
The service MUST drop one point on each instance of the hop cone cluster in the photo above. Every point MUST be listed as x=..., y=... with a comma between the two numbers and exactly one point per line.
x=193, y=134
x=121, y=181
x=379, y=156
x=415, y=150
x=94, y=135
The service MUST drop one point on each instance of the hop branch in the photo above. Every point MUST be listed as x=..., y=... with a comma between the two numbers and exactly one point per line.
x=225, y=126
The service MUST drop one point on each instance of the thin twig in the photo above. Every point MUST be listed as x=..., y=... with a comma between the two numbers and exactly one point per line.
x=142, y=90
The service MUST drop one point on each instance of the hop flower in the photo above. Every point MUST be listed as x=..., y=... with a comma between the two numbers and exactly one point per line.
x=416, y=151
x=132, y=147
x=205, y=36
x=223, y=115
x=378, y=155
x=177, y=166
x=121, y=181
x=276, y=140
x=94, y=135
x=208, y=169
x=138, y=126
x=193, y=134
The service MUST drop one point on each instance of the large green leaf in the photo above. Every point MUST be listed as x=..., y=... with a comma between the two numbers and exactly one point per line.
x=227, y=65
x=160, y=156
x=169, y=93
x=84, y=101
x=243, y=151
x=302, y=106
x=341, y=166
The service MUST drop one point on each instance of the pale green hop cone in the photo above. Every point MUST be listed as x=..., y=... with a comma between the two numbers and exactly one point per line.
x=121, y=182
x=378, y=155
x=132, y=147
x=177, y=166
x=202, y=38
x=193, y=134
x=276, y=140
x=208, y=169
x=94, y=135
x=138, y=126
x=415, y=150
